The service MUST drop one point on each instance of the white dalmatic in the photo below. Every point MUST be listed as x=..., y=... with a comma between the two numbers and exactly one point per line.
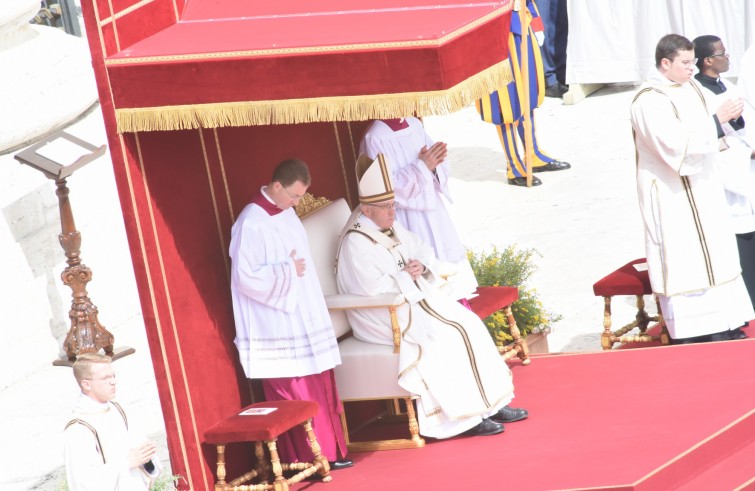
x=283, y=328
x=690, y=246
x=447, y=356
x=420, y=193
x=96, y=453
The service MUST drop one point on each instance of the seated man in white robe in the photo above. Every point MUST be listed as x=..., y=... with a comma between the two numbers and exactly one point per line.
x=447, y=357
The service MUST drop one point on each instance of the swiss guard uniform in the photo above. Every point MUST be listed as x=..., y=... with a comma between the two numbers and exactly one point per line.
x=503, y=107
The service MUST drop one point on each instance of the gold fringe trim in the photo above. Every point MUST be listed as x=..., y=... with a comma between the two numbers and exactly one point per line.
x=320, y=109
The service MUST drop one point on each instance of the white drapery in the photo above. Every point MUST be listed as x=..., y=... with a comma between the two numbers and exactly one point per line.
x=614, y=41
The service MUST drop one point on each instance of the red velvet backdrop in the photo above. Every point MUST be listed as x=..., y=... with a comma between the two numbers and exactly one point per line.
x=180, y=192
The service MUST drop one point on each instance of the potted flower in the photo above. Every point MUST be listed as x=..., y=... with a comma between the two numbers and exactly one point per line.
x=512, y=267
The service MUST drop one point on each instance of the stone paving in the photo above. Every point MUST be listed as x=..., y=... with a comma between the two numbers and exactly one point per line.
x=584, y=222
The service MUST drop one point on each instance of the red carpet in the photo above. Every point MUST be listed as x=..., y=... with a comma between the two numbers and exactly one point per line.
x=646, y=419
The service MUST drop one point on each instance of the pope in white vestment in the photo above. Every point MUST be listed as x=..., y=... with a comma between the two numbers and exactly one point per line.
x=420, y=192
x=447, y=357
x=689, y=241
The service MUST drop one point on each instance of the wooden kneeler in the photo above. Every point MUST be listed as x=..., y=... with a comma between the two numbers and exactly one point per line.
x=263, y=430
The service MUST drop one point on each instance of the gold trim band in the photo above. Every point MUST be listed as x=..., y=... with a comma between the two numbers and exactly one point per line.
x=319, y=109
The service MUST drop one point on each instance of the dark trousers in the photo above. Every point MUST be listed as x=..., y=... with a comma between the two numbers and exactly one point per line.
x=746, y=246
x=556, y=26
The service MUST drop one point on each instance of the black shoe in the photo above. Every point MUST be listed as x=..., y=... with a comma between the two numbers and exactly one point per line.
x=341, y=464
x=556, y=90
x=509, y=415
x=522, y=181
x=737, y=333
x=486, y=428
x=555, y=165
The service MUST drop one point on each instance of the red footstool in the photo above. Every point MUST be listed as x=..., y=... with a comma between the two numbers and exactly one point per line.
x=259, y=428
x=491, y=299
x=628, y=280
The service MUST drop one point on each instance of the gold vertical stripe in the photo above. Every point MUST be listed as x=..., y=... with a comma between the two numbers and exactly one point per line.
x=343, y=164
x=351, y=140
x=225, y=177
x=115, y=27
x=153, y=300
x=699, y=229
x=166, y=288
x=387, y=184
x=470, y=352
x=223, y=250
x=175, y=11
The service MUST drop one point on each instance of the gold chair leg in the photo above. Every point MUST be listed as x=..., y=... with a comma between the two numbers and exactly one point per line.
x=413, y=424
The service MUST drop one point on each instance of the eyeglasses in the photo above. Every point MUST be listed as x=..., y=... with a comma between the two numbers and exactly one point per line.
x=110, y=379
x=688, y=63
x=724, y=54
x=293, y=196
x=386, y=206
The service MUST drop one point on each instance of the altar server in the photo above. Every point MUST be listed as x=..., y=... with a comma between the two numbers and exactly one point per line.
x=689, y=240
x=284, y=333
x=102, y=450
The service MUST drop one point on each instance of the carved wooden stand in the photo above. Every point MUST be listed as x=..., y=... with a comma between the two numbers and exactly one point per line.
x=86, y=334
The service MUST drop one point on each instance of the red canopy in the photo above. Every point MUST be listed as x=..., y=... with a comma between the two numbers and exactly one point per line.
x=234, y=63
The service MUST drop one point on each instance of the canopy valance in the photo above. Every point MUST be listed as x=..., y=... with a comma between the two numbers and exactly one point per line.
x=235, y=63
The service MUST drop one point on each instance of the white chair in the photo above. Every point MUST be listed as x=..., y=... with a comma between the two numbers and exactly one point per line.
x=368, y=371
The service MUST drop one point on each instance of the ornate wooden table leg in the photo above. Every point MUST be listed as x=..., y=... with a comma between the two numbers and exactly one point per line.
x=86, y=334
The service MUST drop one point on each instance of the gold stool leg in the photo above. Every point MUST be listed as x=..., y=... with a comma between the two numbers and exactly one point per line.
x=279, y=484
x=665, y=338
x=320, y=459
x=642, y=317
x=263, y=466
x=520, y=344
x=606, y=339
x=221, y=467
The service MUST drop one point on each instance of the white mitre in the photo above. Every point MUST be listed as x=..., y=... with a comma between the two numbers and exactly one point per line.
x=374, y=179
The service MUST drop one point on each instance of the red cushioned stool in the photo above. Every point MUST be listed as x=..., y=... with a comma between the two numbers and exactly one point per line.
x=627, y=280
x=266, y=428
x=491, y=299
